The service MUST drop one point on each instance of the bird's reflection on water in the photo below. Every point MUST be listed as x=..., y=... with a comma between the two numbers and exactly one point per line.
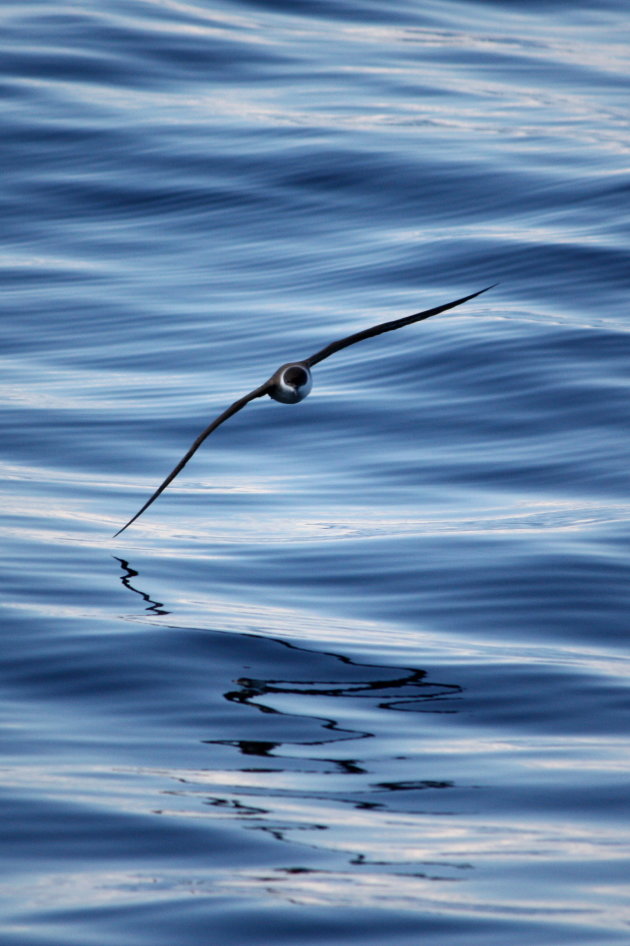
x=293, y=778
x=407, y=690
x=155, y=607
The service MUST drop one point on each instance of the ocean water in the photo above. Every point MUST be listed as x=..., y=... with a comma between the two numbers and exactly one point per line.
x=360, y=674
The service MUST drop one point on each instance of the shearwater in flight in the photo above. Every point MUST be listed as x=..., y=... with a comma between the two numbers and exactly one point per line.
x=292, y=382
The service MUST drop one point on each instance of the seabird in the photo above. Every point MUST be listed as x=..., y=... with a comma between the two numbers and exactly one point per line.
x=291, y=383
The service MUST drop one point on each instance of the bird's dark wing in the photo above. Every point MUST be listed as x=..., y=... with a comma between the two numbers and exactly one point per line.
x=233, y=409
x=385, y=327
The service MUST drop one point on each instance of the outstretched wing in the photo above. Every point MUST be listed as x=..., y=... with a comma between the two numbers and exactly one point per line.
x=386, y=327
x=233, y=409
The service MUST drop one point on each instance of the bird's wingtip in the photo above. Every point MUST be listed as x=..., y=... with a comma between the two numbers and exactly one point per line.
x=485, y=289
x=116, y=534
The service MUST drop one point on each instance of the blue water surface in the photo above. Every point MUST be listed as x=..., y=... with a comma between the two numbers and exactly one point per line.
x=360, y=674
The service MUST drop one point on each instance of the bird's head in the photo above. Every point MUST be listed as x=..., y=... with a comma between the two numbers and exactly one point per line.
x=291, y=383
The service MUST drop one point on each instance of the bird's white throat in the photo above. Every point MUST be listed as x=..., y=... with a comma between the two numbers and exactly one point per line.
x=292, y=384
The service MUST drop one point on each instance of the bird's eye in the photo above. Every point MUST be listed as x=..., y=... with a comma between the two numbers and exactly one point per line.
x=295, y=375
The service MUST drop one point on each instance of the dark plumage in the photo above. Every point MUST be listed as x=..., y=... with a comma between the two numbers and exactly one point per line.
x=292, y=382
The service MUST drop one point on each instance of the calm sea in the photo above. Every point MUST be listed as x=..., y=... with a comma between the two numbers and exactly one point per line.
x=360, y=675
